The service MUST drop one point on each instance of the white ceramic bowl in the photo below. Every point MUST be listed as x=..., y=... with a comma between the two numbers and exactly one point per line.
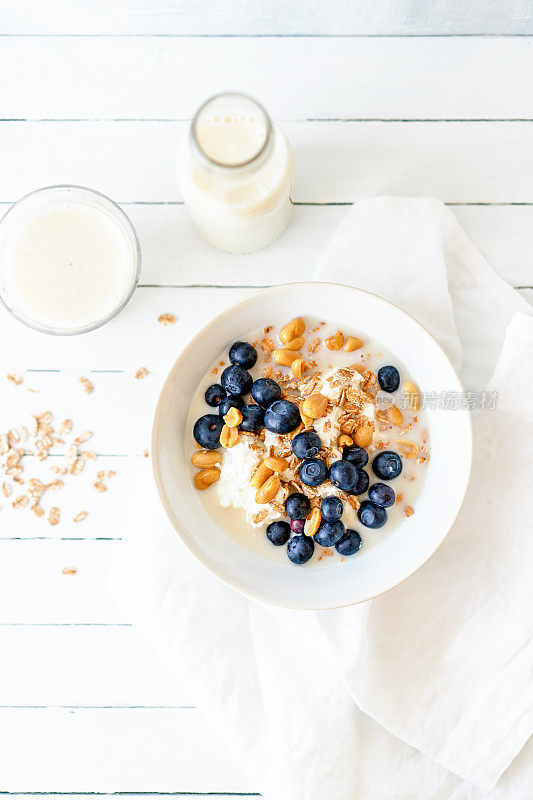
x=375, y=570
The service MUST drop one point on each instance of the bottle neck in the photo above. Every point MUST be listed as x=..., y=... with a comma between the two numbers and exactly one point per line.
x=231, y=135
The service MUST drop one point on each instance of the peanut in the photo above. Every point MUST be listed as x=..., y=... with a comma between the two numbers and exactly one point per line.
x=335, y=342
x=233, y=417
x=395, y=416
x=206, y=458
x=294, y=344
x=345, y=441
x=312, y=523
x=363, y=436
x=408, y=449
x=268, y=490
x=298, y=368
x=352, y=343
x=229, y=436
x=314, y=406
x=206, y=477
x=276, y=464
x=291, y=330
x=261, y=475
x=284, y=358
x=412, y=393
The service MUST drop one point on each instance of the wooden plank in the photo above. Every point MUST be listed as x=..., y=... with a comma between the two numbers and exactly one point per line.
x=145, y=796
x=114, y=750
x=168, y=78
x=120, y=428
x=174, y=254
x=84, y=666
x=105, y=520
x=33, y=588
x=459, y=162
x=403, y=17
x=135, y=338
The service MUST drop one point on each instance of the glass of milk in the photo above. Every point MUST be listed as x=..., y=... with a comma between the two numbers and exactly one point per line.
x=235, y=172
x=69, y=259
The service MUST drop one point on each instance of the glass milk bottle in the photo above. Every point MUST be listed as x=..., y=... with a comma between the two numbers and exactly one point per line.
x=235, y=173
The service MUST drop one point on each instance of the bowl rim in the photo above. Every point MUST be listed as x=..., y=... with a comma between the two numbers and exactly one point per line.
x=189, y=542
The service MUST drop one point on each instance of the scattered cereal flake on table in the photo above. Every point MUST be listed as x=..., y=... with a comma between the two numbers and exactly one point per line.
x=16, y=380
x=57, y=484
x=105, y=474
x=37, y=509
x=77, y=466
x=65, y=427
x=87, y=386
x=141, y=373
x=146, y=453
x=69, y=570
x=53, y=516
x=21, y=501
x=100, y=486
x=36, y=488
x=80, y=516
x=166, y=319
x=6, y=489
x=83, y=437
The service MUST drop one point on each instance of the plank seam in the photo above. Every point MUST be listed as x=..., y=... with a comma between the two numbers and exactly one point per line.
x=312, y=204
x=135, y=794
x=267, y=35
x=282, y=120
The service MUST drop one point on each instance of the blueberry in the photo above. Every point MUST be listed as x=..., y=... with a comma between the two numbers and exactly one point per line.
x=343, y=475
x=362, y=483
x=243, y=354
x=329, y=533
x=214, y=394
x=349, y=544
x=297, y=525
x=265, y=391
x=306, y=445
x=331, y=509
x=206, y=431
x=371, y=515
x=387, y=465
x=253, y=419
x=230, y=401
x=313, y=472
x=300, y=549
x=388, y=379
x=357, y=455
x=282, y=417
x=382, y=495
x=297, y=506
x=278, y=532
x=236, y=380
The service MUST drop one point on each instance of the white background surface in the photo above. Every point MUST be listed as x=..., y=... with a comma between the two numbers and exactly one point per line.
x=99, y=94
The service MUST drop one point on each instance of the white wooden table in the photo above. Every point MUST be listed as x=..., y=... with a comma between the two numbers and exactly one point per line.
x=99, y=94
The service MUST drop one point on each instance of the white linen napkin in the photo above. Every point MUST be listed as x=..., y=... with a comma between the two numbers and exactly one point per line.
x=425, y=693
